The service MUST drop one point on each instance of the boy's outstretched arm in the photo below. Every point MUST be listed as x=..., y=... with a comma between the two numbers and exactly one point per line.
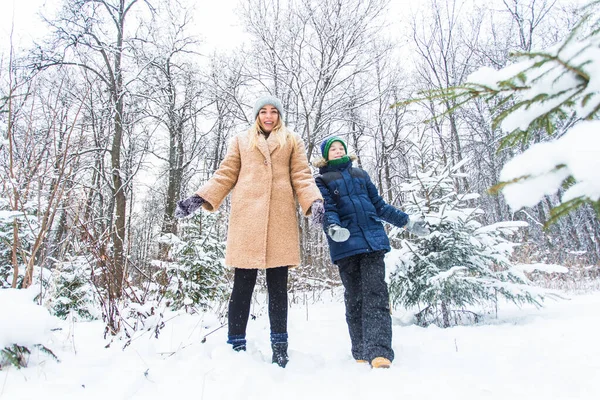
x=395, y=216
x=385, y=211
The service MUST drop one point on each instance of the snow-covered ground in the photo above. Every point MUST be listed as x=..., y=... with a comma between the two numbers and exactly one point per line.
x=550, y=353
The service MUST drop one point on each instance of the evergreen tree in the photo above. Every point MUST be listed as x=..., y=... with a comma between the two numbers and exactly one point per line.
x=196, y=275
x=461, y=267
x=70, y=290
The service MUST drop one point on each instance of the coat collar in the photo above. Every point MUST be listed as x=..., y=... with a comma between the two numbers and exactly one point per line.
x=267, y=146
x=273, y=143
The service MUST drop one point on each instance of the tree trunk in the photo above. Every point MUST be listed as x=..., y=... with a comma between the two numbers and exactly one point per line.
x=118, y=236
x=445, y=315
x=169, y=224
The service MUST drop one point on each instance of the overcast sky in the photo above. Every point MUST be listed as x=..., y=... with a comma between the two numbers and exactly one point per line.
x=215, y=20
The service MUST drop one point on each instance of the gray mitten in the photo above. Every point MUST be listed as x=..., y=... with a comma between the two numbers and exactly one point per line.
x=188, y=206
x=337, y=233
x=417, y=226
x=317, y=212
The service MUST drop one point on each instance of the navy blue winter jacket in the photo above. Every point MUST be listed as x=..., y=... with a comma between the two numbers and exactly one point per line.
x=353, y=202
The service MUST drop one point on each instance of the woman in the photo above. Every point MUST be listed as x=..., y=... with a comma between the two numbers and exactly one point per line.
x=266, y=167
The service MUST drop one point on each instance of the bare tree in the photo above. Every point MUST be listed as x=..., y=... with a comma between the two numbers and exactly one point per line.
x=528, y=16
x=173, y=93
x=309, y=54
x=92, y=35
x=40, y=161
x=445, y=61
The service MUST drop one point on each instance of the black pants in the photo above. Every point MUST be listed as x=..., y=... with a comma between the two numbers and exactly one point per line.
x=241, y=296
x=367, y=305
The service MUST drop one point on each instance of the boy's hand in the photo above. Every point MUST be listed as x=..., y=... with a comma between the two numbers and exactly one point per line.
x=188, y=206
x=317, y=212
x=337, y=233
x=417, y=226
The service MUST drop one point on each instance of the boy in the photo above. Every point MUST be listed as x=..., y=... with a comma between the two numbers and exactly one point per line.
x=357, y=244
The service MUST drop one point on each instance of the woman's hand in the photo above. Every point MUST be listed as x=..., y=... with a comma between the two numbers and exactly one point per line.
x=317, y=212
x=188, y=206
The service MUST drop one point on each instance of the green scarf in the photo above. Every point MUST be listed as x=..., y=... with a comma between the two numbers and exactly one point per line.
x=338, y=161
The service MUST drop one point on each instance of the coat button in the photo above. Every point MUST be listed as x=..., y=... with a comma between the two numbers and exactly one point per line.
x=266, y=162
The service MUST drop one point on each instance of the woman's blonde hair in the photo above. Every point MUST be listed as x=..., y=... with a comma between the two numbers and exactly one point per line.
x=283, y=134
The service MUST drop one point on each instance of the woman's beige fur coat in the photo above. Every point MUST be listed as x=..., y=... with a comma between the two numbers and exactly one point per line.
x=266, y=181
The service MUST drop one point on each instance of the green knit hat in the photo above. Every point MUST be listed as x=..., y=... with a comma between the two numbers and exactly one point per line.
x=327, y=144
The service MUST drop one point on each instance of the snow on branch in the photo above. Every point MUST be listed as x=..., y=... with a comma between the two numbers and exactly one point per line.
x=555, y=92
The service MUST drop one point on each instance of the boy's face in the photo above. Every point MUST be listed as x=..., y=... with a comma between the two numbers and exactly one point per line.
x=336, y=150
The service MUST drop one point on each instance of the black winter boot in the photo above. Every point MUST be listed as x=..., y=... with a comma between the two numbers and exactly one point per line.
x=239, y=347
x=280, y=355
x=238, y=342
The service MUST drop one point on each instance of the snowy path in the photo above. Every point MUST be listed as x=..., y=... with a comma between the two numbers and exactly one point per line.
x=552, y=353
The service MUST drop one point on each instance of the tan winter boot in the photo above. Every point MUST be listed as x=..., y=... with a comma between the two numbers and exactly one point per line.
x=381, y=362
x=362, y=362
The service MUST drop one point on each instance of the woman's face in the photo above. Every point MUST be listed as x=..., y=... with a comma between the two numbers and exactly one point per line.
x=268, y=117
x=336, y=150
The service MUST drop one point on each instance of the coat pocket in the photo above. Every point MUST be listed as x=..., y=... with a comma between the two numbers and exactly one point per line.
x=375, y=218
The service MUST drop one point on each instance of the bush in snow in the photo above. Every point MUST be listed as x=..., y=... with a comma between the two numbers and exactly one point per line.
x=70, y=290
x=195, y=277
x=461, y=266
x=25, y=327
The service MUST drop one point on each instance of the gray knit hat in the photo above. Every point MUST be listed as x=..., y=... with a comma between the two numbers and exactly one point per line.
x=266, y=100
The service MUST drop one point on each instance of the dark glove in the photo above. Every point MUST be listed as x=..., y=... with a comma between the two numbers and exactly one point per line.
x=188, y=206
x=337, y=233
x=317, y=212
x=417, y=226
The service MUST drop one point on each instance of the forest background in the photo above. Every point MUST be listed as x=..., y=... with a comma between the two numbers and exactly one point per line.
x=120, y=109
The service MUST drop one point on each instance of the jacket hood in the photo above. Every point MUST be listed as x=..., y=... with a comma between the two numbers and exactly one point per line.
x=322, y=162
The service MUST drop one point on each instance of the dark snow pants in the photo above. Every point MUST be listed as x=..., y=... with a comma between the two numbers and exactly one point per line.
x=244, y=281
x=367, y=305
